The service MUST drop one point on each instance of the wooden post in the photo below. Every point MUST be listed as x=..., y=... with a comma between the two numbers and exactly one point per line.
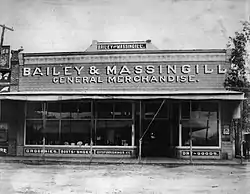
x=191, y=145
x=140, y=133
x=180, y=125
x=91, y=150
x=93, y=127
x=191, y=136
x=43, y=154
x=1, y=45
x=2, y=35
x=140, y=147
x=133, y=125
x=241, y=134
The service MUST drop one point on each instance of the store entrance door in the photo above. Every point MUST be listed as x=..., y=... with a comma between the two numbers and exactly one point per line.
x=162, y=136
x=156, y=142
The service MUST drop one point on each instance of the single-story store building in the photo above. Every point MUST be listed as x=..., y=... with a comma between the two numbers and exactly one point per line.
x=106, y=100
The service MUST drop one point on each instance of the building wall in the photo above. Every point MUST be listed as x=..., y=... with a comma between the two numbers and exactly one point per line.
x=228, y=111
x=207, y=67
x=199, y=69
x=13, y=115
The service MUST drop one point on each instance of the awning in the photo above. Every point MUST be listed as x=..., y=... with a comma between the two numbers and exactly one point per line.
x=129, y=95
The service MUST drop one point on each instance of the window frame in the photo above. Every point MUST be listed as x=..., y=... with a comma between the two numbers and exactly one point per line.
x=44, y=119
x=218, y=124
x=113, y=118
x=92, y=119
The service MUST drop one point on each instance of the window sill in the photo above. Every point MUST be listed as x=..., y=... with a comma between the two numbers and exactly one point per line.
x=198, y=147
x=88, y=147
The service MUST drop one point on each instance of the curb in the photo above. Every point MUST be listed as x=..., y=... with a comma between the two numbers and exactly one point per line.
x=85, y=162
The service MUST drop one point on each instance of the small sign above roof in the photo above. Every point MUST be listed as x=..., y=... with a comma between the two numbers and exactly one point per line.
x=121, y=46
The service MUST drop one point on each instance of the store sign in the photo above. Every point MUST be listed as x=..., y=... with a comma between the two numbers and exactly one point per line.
x=5, y=57
x=55, y=151
x=75, y=151
x=123, y=76
x=201, y=153
x=113, y=152
x=226, y=130
x=120, y=46
x=112, y=74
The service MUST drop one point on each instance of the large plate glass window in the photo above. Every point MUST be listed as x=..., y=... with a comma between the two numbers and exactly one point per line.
x=113, y=123
x=60, y=123
x=34, y=123
x=203, y=119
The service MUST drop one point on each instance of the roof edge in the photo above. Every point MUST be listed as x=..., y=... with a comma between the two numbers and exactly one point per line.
x=38, y=54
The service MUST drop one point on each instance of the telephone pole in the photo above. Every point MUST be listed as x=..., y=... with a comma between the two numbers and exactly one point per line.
x=2, y=35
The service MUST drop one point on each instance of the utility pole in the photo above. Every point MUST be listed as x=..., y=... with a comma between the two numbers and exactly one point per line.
x=2, y=35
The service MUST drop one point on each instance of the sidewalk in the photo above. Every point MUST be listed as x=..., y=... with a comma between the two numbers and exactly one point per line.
x=146, y=161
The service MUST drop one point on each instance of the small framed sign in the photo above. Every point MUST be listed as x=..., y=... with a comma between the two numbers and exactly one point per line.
x=226, y=130
x=5, y=57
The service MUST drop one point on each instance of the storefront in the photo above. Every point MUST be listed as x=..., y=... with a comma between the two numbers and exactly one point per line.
x=101, y=102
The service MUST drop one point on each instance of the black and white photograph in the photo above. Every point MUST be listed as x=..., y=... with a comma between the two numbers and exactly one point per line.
x=124, y=97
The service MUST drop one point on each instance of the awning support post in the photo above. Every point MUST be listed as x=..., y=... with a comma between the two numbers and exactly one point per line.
x=43, y=154
x=191, y=146
x=241, y=134
x=191, y=136
x=140, y=145
x=91, y=150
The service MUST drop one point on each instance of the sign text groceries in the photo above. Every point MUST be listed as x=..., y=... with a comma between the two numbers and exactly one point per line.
x=123, y=74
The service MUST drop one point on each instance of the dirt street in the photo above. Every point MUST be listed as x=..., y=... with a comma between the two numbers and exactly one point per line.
x=127, y=179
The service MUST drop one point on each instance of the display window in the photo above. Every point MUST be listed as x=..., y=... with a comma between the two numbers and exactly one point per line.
x=113, y=132
x=202, y=119
x=113, y=123
x=73, y=123
x=75, y=132
x=59, y=123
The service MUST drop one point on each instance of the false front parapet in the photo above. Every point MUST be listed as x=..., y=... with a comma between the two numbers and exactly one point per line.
x=121, y=46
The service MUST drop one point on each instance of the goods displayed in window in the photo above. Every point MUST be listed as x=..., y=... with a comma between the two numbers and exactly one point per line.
x=202, y=120
x=113, y=133
x=78, y=123
x=82, y=123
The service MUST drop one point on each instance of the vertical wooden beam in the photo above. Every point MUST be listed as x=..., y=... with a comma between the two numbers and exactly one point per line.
x=170, y=120
x=133, y=125
x=140, y=133
x=191, y=134
x=92, y=127
x=180, y=126
x=219, y=123
x=0, y=110
x=24, y=129
x=60, y=122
